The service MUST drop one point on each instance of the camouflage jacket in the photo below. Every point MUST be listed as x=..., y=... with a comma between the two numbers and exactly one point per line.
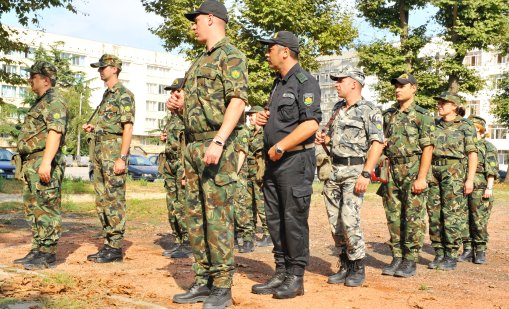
x=117, y=107
x=48, y=113
x=213, y=80
x=407, y=132
x=487, y=162
x=174, y=129
x=354, y=129
x=454, y=139
x=255, y=150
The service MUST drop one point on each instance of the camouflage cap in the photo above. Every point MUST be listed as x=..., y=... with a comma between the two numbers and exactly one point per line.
x=450, y=97
x=44, y=68
x=404, y=79
x=108, y=60
x=178, y=83
x=255, y=109
x=354, y=73
x=478, y=120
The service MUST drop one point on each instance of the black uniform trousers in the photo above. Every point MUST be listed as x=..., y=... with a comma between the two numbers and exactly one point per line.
x=287, y=190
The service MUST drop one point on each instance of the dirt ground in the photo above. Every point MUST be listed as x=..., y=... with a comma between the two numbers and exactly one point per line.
x=146, y=279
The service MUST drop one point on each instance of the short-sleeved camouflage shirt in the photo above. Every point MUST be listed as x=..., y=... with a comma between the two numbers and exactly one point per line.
x=117, y=107
x=454, y=139
x=355, y=128
x=173, y=128
x=408, y=131
x=48, y=113
x=487, y=162
x=213, y=80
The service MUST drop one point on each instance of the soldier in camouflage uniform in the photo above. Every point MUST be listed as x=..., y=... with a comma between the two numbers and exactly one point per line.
x=213, y=101
x=356, y=139
x=42, y=166
x=453, y=169
x=480, y=201
x=256, y=167
x=244, y=225
x=409, y=148
x=171, y=166
x=112, y=129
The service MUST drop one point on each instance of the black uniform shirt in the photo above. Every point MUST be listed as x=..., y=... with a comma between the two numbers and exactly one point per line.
x=294, y=99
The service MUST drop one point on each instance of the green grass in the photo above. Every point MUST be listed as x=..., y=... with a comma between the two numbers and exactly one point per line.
x=424, y=287
x=77, y=186
x=61, y=278
x=8, y=301
x=65, y=303
x=10, y=186
x=8, y=207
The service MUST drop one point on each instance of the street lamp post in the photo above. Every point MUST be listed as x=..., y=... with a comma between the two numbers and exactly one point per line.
x=79, y=129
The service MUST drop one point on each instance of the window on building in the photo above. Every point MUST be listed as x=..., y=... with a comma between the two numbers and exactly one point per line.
x=24, y=72
x=497, y=132
x=161, y=123
x=503, y=157
x=161, y=89
x=498, y=82
x=501, y=58
x=151, y=123
x=472, y=60
x=8, y=91
x=151, y=106
x=12, y=69
x=152, y=88
x=23, y=92
x=474, y=107
x=161, y=106
x=78, y=60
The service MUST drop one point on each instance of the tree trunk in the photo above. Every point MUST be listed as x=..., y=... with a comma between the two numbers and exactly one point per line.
x=403, y=37
x=454, y=85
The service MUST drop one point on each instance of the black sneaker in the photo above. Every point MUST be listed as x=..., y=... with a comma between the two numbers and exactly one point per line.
x=390, y=269
x=195, y=294
x=270, y=285
x=41, y=260
x=247, y=247
x=406, y=269
x=219, y=298
x=110, y=255
x=31, y=254
x=436, y=261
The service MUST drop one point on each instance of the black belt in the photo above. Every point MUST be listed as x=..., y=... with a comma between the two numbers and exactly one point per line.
x=404, y=160
x=445, y=161
x=347, y=160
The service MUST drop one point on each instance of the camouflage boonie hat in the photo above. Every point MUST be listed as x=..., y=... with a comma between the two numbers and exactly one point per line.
x=44, y=68
x=450, y=97
x=108, y=60
x=478, y=120
x=178, y=83
x=354, y=73
x=255, y=109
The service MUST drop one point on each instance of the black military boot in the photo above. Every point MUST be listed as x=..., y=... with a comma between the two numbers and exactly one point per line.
x=183, y=251
x=110, y=255
x=340, y=276
x=270, y=286
x=356, y=273
x=31, y=254
x=101, y=252
x=436, y=261
x=448, y=263
x=236, y=243
x=195, y=294
x=42, y=260
x=466, y=256
x=219, y=298
x=168, y=252
x=246, y=247
x=480, y=257
x=390, y=269
x=265, y=241
x=406, y=269
x=292, y=286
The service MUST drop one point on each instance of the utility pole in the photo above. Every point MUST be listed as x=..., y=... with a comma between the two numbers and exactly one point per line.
x=79, y=129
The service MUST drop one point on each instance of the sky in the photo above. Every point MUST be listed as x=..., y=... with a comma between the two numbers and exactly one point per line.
x=125, y=22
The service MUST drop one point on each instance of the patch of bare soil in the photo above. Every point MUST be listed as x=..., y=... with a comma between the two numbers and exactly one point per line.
x=146, y=279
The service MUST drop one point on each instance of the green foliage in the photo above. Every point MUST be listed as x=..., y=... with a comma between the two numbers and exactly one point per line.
x=26, y=13
x=500, y=103
x=324, y=28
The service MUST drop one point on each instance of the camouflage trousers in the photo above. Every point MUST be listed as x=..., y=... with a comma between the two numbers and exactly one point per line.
x=244, y=224
x=110, y=188
x=42, y=203
x=343, y=209
x=479, y=210
x=255, y=199
x=447, y=208
x=175, y=199
x=405, y=211
x=209, y=213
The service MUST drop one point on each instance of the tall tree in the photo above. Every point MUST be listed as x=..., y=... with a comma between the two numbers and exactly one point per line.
x=323, y=26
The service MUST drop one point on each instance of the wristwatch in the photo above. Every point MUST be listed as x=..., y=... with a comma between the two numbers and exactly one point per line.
x=279, y=150
x=218, y=142
x=123, y=157
x=365, y=174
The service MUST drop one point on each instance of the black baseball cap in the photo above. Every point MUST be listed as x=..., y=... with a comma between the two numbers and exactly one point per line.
x=178, y=83
x=213, y=7
x=404, y=79
x=283, y=38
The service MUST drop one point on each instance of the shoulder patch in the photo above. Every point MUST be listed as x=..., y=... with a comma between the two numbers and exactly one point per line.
x=235, y=74
x=301, y=77
x=56, y=116
x=309, y=98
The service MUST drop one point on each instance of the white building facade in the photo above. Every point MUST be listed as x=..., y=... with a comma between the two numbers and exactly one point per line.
x=144, y=72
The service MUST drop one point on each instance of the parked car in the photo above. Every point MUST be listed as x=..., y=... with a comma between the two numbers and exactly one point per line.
x=83, y=160
x=7, y=169
x=501, y=175
x=154, y=159
x=140, y=167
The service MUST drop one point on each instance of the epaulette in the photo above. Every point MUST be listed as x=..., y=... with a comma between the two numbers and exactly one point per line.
x=390, y=110
x=369, y=104
x=421, y=110
x=338, y=105
x=301, y=77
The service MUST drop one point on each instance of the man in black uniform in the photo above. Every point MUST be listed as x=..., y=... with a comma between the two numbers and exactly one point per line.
x=291, y=118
